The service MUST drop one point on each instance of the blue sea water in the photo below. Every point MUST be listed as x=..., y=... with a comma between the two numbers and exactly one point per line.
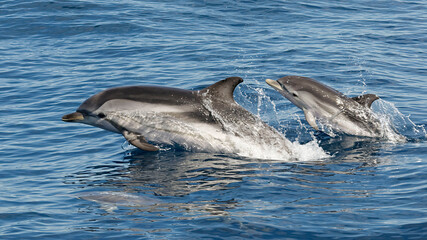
x=70, y=181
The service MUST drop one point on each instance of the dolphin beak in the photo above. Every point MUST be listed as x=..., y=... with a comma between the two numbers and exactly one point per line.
x=274, y=84
x=73, y=117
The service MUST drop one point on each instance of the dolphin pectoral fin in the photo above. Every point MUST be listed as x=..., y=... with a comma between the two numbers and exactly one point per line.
x=134, y=138
x=139, y=141
x=311, y=119
x=366, y=100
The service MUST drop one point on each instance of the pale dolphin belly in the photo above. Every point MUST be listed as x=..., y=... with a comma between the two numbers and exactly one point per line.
x=169, y=129
x=193, y=135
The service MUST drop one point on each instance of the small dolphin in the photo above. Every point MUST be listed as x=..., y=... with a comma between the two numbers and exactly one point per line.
x=205, y=120
x=325, y=105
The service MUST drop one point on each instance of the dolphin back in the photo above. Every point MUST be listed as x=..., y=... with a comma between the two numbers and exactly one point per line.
x=147, y=94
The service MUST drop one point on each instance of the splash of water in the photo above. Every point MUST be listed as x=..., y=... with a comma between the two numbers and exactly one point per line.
x=391, y=117
x=300, y=152
x=360, y=65
x=250, y=136
x=392, y=120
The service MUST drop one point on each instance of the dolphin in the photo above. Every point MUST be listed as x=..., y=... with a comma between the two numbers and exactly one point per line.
x=324, y=105
x=204, y=120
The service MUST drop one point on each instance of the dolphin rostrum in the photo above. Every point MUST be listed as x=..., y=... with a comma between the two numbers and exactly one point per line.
x=205, y=120
x=324, y=105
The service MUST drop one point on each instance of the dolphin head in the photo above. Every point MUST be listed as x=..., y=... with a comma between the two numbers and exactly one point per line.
x=101, y=110
x=90, y=118
x=294, y=88
x=304, y=92
x=90, y=113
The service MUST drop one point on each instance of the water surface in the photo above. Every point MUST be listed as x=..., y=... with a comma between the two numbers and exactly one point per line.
x=55, y=54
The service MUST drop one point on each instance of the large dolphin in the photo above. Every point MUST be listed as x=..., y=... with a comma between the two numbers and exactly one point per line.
x=205, y=120
x=322, y=104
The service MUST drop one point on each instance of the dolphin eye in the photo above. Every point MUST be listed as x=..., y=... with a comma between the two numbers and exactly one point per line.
x=101, y=115
x=294, y=94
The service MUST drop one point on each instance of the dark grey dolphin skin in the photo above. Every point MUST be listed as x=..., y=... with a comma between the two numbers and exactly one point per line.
x=321, y=103
x=205, y=120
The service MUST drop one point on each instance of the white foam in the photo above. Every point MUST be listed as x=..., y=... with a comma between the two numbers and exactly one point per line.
x=308, y=152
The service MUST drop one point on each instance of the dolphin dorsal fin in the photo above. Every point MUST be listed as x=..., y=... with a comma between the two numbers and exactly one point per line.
x=366, y=100
x=223, y=89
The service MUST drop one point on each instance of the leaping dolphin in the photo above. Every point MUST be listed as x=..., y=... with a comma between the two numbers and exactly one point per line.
x=205, y=120
x=327, y=106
